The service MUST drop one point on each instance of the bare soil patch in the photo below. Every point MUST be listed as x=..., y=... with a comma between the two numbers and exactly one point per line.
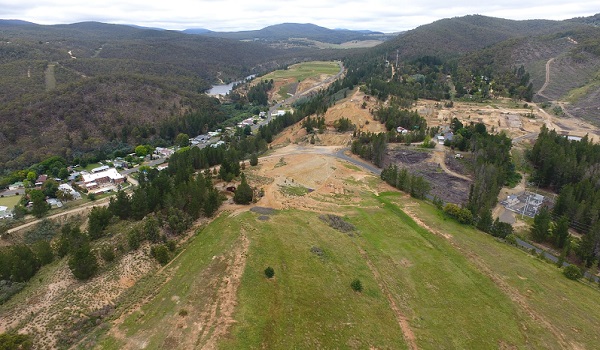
x=446, y=185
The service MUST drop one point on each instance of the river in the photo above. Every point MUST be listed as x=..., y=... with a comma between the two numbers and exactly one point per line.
x=225, y=89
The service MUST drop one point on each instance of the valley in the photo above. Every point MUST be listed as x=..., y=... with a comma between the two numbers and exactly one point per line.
x=347, y=199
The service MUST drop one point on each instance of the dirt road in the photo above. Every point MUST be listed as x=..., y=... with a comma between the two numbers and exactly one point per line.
x=541, y=90
x=99, y=203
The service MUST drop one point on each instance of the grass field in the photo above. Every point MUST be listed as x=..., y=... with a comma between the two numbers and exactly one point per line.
x=305, y=70
x=10, y=201
x=468, y=291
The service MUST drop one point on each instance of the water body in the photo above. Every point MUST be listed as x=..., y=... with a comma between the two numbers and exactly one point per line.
x=225, y=89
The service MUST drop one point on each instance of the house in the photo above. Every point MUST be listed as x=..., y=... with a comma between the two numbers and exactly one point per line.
x=249, y=121
x=40, y=180
x=262, y=115
x=165, y=152
x=162, y=166
x=100, y=169
x=574, y=138
x=68, y=189
x=440, y=139
x=401, y=130
x=101, y=179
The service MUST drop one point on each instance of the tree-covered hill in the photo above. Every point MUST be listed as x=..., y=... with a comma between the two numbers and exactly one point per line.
x=452, y=37
x=286, y=31
x=76, y=88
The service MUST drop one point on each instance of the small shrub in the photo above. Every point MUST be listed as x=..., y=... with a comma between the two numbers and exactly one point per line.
x=107, y=254
x=171, y=244
x=572, y=272
x=269, y=272
x=356, y=285
x=160, y=253
x=183, y=312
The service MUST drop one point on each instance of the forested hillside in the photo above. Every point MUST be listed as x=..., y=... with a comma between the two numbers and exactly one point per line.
x=73, y=89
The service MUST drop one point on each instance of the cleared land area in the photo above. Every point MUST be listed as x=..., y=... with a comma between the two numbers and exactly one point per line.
x=299, y=77
x=428, y=282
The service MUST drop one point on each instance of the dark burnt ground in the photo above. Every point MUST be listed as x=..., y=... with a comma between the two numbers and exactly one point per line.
x=457, y=165
x=449, y=188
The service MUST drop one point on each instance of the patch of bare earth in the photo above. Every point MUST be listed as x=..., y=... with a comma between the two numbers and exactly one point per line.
x=328, y=182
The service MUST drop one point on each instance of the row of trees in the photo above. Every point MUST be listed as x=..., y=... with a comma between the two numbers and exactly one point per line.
x=370, y=146
x=401, y=179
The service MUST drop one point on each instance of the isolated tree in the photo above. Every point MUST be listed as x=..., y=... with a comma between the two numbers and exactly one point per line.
x=356, y=285
x=269, y=272
x=243, y=194
x=40, y=206
x=160, y=253
x=83, y=262
x=182, y=140
x=254, y=159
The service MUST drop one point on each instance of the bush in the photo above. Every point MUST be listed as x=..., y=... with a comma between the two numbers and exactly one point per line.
x=254, y=159
x=83, y=263
x=15, y=341
x=160, y=253
x=107, y=254
x=464, y=216
x=356, y=285
x=269, y=272
x=572, y=272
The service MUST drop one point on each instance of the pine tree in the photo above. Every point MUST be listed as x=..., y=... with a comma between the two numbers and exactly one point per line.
x=243, y=194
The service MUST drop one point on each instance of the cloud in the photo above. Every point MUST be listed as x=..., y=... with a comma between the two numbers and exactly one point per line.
x=229, y=15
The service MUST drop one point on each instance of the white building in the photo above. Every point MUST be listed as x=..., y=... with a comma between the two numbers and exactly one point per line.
x=102, y=179
x=100, y=169
x=68, y=189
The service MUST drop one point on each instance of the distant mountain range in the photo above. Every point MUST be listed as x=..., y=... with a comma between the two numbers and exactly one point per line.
x=285, y=31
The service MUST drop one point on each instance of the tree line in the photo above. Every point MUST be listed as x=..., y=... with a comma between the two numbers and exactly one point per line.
x=572, y=168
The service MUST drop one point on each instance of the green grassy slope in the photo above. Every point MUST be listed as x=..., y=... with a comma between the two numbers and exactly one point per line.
x=467, y=291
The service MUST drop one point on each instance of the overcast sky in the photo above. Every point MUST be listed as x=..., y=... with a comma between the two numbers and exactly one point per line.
x=233, y=15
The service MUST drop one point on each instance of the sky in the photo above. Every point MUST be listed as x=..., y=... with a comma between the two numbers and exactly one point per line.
x=234, y=15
